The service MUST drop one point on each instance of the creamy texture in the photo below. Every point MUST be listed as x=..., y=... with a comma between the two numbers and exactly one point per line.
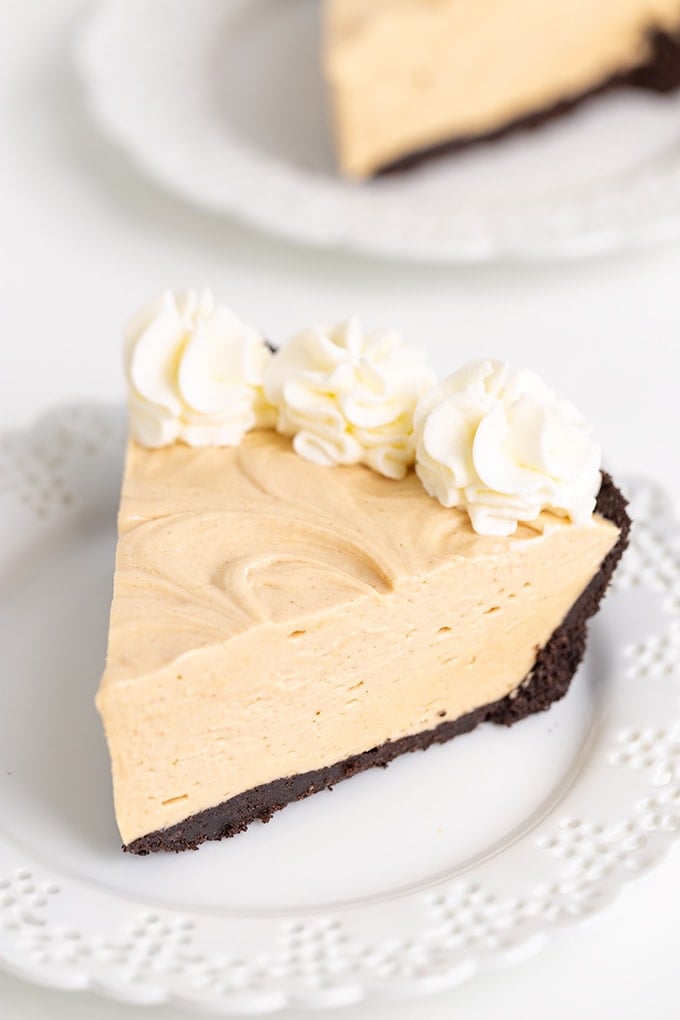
x=194, y=373
x=346, y=396
x=271, y=617
x=504, y=447
x=408, y=74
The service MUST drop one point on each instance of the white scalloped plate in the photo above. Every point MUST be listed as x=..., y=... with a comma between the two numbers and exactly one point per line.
x=401, y=881
x=222, y=102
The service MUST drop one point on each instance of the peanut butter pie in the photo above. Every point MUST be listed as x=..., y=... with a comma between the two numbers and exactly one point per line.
x=410, y=76
x=327, y=558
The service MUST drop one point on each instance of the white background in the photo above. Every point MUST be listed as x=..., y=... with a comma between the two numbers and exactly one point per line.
x=84, y=240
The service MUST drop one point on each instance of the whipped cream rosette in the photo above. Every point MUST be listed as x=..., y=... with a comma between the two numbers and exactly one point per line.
x=504, y=447
x=347, y=396
x=195, y=373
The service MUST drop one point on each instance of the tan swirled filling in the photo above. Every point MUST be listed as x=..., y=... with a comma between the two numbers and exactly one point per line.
x=406, y=75
x=271, y=617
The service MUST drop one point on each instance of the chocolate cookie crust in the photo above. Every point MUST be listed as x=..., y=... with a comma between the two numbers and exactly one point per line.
x=661, y=73
x=547, y=682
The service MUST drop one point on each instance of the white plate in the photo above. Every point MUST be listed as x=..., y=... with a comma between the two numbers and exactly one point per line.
x=222, y=102
x=400, y=881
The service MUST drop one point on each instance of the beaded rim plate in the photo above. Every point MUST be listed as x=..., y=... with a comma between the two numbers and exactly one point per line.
x=222, y=103
x=402, y=881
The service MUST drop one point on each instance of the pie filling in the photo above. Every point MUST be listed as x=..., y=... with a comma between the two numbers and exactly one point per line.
x=547, y=682
x=408, y=78
x=265, y=627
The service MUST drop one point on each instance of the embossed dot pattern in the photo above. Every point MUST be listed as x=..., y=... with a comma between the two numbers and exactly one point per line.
x=37, y=468
x=656, y=749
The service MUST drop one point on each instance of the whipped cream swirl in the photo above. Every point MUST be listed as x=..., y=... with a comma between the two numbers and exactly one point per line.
x=194, y=372
x=504, y=447
x=347, y=396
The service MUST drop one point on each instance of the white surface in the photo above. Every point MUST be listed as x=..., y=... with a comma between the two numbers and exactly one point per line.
x=85, y=239
x=223, y=102
x=390, y=886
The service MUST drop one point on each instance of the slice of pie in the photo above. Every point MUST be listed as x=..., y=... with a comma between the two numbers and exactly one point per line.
x=278, y=626
x=278, y=623
x=411, y=76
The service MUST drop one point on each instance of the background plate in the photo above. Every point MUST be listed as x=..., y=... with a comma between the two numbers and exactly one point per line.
x=222, y=102
x=401, y=881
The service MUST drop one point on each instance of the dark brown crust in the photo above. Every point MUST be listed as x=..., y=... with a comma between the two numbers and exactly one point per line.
x=547, y=682
x=661, y=73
